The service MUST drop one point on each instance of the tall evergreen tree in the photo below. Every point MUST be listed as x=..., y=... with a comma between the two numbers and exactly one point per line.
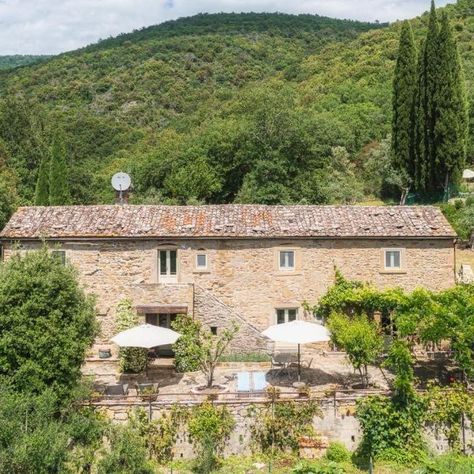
x=452, y=119
x=420, y=166
x=431, y=71
x=42, y=184
x=58, y=180
x=404, y=93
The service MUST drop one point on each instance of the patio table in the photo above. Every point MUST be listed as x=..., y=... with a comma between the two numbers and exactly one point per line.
x=285, y=360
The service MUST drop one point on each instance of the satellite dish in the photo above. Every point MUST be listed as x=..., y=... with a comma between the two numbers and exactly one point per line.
x=121, y=181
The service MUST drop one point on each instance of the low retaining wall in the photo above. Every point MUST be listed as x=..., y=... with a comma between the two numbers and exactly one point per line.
x=338, y=421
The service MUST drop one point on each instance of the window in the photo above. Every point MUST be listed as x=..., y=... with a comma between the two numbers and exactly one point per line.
x=167, y=265
x=214, y=330
x=286, y=315
x=201, y=261
x=393, y=259
x=287, y=260
x=60, y=255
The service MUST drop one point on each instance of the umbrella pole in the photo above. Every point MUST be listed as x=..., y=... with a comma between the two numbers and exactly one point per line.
x=299, y=362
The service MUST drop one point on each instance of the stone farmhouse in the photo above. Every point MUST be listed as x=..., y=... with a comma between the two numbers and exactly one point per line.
x=253, y=264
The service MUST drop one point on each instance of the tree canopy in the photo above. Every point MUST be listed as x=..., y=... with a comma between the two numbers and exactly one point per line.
x=265, y=108
x=46, y=323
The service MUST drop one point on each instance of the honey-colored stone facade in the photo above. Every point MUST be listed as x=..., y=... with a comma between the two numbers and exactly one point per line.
x=243, y=280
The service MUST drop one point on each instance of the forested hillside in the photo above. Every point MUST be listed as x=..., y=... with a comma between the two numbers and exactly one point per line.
x=217, y=108
x=17, y=60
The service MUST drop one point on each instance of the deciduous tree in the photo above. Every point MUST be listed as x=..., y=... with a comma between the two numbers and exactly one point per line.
x=47, y=323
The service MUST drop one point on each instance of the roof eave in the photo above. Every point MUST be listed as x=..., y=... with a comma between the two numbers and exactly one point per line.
x=256, y=237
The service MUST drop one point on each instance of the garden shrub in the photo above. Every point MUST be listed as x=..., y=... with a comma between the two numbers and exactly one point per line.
x=249, y=357
x=127, y=453
x=338, y=452
x=36, y=433
x=47, y=323
x=308, y=467
x=132, y=359
x=186, y=348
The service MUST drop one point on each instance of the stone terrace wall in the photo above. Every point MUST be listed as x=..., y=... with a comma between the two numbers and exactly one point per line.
x=338, y=423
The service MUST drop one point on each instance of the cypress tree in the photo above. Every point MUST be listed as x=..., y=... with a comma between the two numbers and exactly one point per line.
x=403, y=103
x=431, y=71
x=420, y=165
x=451, y=128
x=42, y=184
x=58, y=186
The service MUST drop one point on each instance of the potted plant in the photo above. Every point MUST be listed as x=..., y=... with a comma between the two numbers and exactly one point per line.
x=148, y=393
x=304, y=391
x=273, y=393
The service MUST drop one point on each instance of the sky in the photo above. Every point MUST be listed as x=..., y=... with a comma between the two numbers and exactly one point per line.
x=54, y=26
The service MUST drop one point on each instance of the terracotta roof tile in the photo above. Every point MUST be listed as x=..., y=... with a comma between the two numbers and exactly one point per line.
x=227, y=221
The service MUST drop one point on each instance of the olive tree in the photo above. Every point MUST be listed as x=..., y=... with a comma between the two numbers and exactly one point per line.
x=198, y=348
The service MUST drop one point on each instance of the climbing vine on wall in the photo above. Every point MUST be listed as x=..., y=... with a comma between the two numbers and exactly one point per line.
x=209, y=428
x=160, y=435
x=392, y=431
x=280, y=424
x=449, y=407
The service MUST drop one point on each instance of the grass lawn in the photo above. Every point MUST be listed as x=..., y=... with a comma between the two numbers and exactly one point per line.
x=447, y=464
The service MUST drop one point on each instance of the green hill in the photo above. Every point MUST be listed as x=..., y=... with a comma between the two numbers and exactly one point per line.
x=217, y=108
x=18, y=60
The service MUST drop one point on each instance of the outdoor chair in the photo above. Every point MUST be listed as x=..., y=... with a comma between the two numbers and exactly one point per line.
x=283, y=361
x=120, y=389
x=276, y=363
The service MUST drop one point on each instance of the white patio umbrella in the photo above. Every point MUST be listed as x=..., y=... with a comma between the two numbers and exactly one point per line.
x=146, y=336
x=298, y=332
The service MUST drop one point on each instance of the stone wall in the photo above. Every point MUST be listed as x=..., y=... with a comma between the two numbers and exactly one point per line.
x=243, y=280
x=214, y=313
x=338, y=423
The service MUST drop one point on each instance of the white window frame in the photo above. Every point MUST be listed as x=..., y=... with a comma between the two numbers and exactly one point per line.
x=286, y=268
x=167, y=277
x=286, y=314
x=393, y=269
x=201, y=267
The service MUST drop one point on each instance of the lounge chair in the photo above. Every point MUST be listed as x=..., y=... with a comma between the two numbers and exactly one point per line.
x=243, y=383
x=120, y=389
x=259, y=382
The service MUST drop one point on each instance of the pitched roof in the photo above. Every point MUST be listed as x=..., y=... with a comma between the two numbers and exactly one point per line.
x=226, y=221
